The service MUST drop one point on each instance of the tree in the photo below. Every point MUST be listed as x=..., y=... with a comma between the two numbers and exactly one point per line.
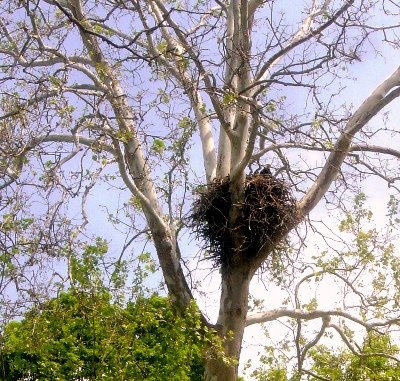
x=128, y=94
x=87, y=334
x=78, y=336
x=375, y=361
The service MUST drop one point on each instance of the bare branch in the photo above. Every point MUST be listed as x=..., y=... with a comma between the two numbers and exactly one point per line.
x=303, y=34
x=357, y=147
x=385, y=93
x=360, y=354
x=263, y=317
x=312, y=343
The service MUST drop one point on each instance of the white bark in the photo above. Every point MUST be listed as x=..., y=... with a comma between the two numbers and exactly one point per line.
x=271, y=315
x=132, y=164
x=178, y=46
x=231, y=323
x=224, y=154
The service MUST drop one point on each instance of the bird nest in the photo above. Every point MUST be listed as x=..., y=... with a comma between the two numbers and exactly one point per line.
x=266, y=210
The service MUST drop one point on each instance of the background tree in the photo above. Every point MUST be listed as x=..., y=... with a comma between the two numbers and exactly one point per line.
x=375, y=361
x=83, y=334
x=127, y=94
x=80, y=336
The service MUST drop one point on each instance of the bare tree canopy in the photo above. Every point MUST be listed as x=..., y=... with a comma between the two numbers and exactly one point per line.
x=232, y=120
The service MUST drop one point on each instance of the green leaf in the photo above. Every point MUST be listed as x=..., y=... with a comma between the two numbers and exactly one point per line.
x=158, y=146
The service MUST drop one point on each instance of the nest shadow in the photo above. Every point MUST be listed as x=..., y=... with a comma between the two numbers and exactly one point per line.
x=267, y=209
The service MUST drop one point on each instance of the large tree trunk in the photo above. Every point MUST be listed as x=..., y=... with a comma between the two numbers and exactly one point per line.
x=231, y=323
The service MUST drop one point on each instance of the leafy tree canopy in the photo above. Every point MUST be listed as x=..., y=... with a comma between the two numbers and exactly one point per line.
x=86, y=334
x=81, y=335
x=374, y=362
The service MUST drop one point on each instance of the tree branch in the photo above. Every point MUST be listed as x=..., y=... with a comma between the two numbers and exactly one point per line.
x=386, y=92
x=357, y=147
x=178, y=47
x=357, y=353
x=267, y=316
x=310, y=344
x=303, y=34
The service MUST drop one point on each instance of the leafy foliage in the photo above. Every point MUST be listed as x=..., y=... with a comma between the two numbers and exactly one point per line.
x=375, y=361
x=81, y=335
x=87, y=333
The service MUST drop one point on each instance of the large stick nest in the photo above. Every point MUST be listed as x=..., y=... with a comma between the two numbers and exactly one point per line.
x=266, y=210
